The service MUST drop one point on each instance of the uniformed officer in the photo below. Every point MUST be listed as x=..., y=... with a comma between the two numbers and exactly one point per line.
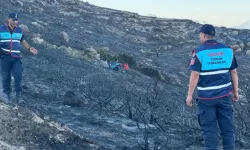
x=213, y=71
x=11, y=37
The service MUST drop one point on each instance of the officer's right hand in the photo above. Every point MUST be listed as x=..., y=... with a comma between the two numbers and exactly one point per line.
x=235, y=96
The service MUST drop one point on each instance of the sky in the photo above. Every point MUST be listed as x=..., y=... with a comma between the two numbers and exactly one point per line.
x=226, y=13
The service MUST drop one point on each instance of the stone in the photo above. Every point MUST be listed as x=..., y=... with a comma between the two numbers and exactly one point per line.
x=24, y=27
x=19, y=3
x=235, y=33
x=64, y=36
x=37, y=39
x=235, y=47
x=248, y=52
x=242, y=45
x=248, y=44
x=238, y=50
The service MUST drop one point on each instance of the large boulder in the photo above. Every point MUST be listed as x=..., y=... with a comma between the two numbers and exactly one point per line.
x=70, y=99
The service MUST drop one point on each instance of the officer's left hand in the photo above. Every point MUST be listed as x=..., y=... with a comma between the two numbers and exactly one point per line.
x=189, y=100
x=33, y=50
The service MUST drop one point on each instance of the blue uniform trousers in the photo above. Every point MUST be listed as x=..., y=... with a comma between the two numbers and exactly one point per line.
x=10, y=65
x=214, y=114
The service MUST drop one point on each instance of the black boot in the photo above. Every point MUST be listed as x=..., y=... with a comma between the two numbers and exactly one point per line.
x=19, y=99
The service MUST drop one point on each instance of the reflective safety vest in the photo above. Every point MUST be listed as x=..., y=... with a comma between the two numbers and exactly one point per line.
x=214, y=80
x=10, y=43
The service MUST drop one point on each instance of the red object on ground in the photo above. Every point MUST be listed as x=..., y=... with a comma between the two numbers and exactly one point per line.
x=125, y=66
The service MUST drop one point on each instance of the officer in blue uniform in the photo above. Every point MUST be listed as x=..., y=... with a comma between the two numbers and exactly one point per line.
x=213, y=71
x=11, y=37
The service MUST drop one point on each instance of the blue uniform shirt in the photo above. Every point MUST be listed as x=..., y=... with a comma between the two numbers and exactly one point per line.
x=10, y=40
x=213, y=61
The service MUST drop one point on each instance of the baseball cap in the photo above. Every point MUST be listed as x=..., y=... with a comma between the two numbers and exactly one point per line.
x=208, y=29
x=13, y=16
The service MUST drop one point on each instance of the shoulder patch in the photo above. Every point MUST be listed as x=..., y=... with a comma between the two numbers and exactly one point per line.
x=192, y=61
